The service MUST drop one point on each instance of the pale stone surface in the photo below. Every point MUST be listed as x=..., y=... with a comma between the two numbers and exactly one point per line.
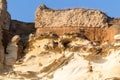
x=12, y=51
x=79, y=60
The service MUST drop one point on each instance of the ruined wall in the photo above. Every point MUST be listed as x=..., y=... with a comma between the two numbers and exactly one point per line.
x=46, y=17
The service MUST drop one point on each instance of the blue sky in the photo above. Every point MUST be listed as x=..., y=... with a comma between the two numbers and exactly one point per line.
x=24, y=10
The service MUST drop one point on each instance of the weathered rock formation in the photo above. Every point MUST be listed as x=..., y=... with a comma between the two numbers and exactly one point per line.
x=12, y=51
x=71, y=44
x=93, y=34
x=94, y=24
x=8, y=29
x=46, y=17
x=4, y=15
x=22, y=28
x=4, y=24
x=77, y=59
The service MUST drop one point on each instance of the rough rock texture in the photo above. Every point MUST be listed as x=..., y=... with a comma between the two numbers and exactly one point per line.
x=93, y=24
x=46, y=17
x=4, y=24
x=93, y=34
x=23, y=29
x=73, y=44
x=4, y=15
x=1, y=51
x=68, y=57
x=12, y=51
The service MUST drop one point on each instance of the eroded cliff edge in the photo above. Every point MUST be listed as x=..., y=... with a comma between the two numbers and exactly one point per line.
x=71, y=44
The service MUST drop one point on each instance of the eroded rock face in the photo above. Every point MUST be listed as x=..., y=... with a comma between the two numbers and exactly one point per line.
x=4, y=24
x=93, y=34
x=5, y=16
x=12, y=51
x=93, y=24
x=21, y=28
x=72, y=44
x=77, y=59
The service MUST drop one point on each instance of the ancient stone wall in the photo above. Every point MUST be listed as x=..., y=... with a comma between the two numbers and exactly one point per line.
x=46, y=17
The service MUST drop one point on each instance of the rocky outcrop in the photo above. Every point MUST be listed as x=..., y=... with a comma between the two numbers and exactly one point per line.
x=46, y=17
x=8, y=29
x=93, y=24
x=93, y=34
x=12, y=51
x=71, y=44
x=68, y=57
x=1, y=51
x=5, y=16
x=4, y=24
x=21, y=28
